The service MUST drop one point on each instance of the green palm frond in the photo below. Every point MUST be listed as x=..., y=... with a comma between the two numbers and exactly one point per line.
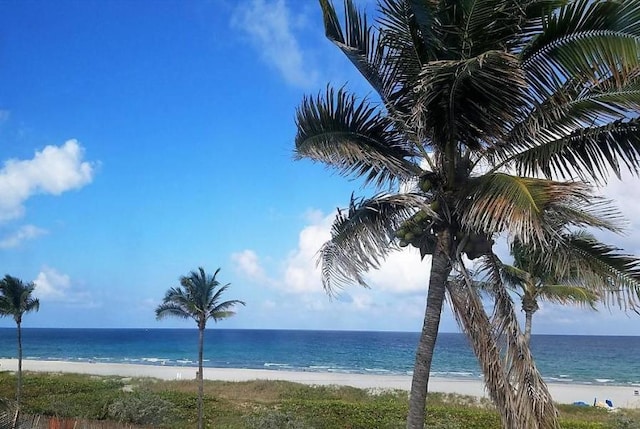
x=514, y=278
x=583, y=38
x=362, y=236
x=500, y=202
x=357, y=41
x=221, y=310
x=568, y=294
x=353, y=137
x=570, y=108
x=479, y=98
x=174, y=310
x=407, y=28
x=590, y=153
x=603, y=267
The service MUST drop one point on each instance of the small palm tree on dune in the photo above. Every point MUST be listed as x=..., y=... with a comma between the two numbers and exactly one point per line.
x=15, y=300
x=199, y=298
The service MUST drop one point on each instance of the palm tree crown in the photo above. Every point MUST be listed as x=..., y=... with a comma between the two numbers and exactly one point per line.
x=578, y=270
x=16, y=298
x=198, y=297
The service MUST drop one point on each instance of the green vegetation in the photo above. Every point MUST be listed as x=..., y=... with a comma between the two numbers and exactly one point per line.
x=263, y=405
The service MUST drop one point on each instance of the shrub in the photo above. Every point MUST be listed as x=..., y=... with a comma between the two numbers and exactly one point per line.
x=143, y=408
x=274, y=419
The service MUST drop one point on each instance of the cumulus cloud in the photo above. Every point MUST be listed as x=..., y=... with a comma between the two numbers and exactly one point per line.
x=26, y=232
x=52, y=285
x=269, y=24
x=301, y=273
x=248, y=264
x=54, y=170
x=403, y=272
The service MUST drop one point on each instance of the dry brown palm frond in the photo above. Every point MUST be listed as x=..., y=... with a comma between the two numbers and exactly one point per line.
x=474, y=322
x=533, y=401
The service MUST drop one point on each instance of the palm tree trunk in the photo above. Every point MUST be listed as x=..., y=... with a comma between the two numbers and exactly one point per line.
x=200, y=377
x=440, y=269
x=19, y=387
x=527, y=326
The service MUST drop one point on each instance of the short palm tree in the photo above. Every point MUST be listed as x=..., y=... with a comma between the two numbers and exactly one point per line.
x=199, y=297
x=15, y=300
x=580, y=270
x=467, y=93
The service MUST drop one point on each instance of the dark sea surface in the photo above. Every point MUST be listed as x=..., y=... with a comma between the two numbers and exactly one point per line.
x=561, y=358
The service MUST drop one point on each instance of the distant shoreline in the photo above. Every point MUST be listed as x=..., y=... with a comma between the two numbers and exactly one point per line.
x=566, y=393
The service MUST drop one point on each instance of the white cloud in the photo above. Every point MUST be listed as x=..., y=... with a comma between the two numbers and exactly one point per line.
x=269, y=25
x=403, y=272
x=53, y=170
x=4, y=115
x=52, y=285
x=248, y=264
x=301, y=273
x=26, y=232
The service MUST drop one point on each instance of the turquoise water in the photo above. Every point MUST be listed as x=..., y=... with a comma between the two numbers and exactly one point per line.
x=560, y=358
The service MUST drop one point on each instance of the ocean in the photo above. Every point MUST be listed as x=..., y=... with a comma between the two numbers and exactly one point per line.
x=610, y=360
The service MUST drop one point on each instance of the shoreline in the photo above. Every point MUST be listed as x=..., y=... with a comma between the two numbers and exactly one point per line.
x=564, y=393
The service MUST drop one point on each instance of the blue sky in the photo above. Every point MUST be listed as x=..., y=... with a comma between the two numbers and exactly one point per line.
x=140, y=140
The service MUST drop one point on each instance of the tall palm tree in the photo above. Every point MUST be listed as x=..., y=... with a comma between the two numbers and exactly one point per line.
x=199, y=298
x=466, y=94
x=15, y=300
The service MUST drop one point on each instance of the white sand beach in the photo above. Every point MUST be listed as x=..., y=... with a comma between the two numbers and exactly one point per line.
x=621, y=396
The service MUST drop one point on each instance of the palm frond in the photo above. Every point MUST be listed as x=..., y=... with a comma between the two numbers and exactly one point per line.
x=568, y=294
x=362, y=236
x=500, y=202
x=408, y=29
x=590, y=153
x=474, y=101
x=474, y=322
x=583, y=38
x=603, y=268
x=223, y=307
x=533, y=402
x=172, y=309
x=571, y=108
x=357, y=41
x=353, y=137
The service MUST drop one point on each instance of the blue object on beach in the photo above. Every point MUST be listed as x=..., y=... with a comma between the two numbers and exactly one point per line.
x=581, y=404
x=609, y=403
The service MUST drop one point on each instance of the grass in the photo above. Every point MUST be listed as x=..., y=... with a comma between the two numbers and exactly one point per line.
x=118, y=402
